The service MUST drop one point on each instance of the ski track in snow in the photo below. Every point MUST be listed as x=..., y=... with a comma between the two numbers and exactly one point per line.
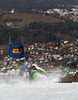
x=46, y=89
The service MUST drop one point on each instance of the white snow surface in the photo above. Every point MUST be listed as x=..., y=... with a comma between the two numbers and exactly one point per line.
x=46, y=89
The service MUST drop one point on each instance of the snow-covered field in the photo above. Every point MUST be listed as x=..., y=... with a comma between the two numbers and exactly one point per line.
x=46, y=89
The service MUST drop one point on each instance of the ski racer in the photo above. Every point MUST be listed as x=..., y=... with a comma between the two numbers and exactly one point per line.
x=36, y=72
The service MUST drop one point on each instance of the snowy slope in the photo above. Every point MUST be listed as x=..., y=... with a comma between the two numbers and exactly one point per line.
x=46, y=89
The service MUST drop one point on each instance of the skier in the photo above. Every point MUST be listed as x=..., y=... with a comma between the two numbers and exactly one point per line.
x=35, y=72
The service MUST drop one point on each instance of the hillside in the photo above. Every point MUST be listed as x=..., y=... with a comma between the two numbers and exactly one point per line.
x=21, y=19
x=35, y=28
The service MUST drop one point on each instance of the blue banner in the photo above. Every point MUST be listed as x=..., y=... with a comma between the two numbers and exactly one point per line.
x=16, y=51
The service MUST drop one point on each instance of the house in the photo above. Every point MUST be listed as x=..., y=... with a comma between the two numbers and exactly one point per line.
x=31, y=47
x=76, y=48
x=13, y=10
x=37, y=55
x=49, y=48
x=9, y=23
x=68, y=49
x=1, y=52
x=36, y=52
x=56, y=56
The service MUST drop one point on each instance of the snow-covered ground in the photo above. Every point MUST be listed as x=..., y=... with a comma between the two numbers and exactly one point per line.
x=45, y=89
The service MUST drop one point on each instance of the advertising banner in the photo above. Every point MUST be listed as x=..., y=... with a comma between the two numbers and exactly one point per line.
x=16, y=51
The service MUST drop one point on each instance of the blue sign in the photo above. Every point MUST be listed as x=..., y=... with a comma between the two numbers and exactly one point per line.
x=16, y=51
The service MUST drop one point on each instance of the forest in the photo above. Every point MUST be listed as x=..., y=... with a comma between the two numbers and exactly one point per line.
x=40, y=32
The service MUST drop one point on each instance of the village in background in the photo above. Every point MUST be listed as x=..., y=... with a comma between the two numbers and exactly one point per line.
x=49, y=56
